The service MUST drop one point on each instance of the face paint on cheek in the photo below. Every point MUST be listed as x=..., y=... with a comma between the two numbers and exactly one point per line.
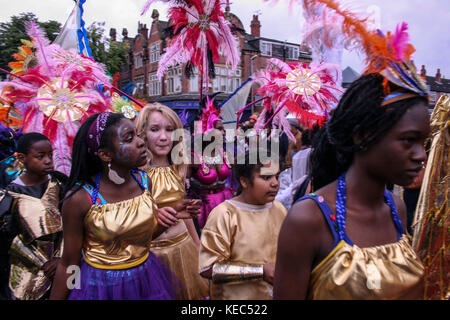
x=123, y=152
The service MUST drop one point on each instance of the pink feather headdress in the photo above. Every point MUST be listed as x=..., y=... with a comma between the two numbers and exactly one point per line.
x=209, y=115
x=201, y=31
x=57, y=95
x=305, y=91
x=387, y=54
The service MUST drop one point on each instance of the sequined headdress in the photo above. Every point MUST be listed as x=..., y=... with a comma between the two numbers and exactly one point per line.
x=387, y=54
x=58, y=94
x=306, y=91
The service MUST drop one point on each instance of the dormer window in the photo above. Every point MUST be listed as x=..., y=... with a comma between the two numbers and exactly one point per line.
x=266, y=48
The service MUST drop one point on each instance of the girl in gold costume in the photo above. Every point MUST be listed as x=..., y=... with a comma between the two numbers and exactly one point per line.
x=239, y=240
x=109, y=219
x=351, y=232
x=33, y=221
x=178, y=245
x=348, y=239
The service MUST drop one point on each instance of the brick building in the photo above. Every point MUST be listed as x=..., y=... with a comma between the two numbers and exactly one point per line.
x=437, y=85
x=181, y=93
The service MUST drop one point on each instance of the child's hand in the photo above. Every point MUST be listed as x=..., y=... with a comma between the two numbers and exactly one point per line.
x=50, y=268
x=182, y=204
x=269, y=271
x=191, y=211
x=166, y=216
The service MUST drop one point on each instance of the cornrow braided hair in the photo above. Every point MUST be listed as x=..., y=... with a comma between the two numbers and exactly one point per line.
x=358, y=114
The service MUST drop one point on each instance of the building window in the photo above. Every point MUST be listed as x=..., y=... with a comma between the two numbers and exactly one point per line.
x=226, y=81
x=292, y=53
x=174, y=80
x=193, y=81
x=266, y=48
x=154, y=52
x=230, y=85
x=154, y=88
x=138, y=61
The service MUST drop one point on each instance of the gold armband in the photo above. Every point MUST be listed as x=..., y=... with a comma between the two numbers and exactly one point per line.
x=234, y=272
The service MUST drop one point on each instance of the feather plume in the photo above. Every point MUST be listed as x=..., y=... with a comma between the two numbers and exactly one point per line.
x=400, y=41
x=61, y=152
x=200, y=33
x=40, y=42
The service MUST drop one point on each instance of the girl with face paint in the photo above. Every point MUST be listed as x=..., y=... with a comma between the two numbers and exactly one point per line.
x=178, y=245
x=109, y=219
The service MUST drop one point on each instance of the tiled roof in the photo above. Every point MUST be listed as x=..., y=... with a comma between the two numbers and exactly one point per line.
x=441, y=86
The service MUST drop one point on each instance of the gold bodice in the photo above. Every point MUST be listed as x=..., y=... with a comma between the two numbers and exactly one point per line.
x=118, y=235
x=391, y=271
x=167, y=186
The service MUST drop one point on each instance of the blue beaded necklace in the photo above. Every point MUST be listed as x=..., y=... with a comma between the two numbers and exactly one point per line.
x=341, y=209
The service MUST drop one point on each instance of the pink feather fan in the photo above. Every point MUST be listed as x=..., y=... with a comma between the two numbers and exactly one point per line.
x=57, y=95
x=202, y=35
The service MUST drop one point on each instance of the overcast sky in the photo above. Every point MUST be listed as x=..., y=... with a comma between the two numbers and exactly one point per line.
x=429, y=21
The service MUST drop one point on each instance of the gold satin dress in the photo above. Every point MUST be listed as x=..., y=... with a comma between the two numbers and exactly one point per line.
x=39, y=240
x=237, y=232
x=179, y=253
x=384, y=272
x=118, y=235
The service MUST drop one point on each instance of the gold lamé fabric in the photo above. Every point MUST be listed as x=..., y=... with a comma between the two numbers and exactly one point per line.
x=167, y=186
x=431, y=221
x=386, y=272
x=179, y=253
x=231, y=272
x=39, y=240
x=236, y=232
x=118, y=235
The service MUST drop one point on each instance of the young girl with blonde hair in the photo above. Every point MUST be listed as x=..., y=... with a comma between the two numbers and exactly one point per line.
x=178, y=245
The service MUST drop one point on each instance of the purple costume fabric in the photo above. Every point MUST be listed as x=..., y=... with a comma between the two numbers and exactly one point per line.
x=151, y=280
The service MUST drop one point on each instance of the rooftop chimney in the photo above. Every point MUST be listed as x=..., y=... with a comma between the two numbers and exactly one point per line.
x=155, y=15
x=143, y=30
x=438, y=75
x=423, y=72
x=125, y=33
x=255, y=27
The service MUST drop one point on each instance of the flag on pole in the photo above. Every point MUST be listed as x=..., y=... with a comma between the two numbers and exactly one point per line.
x=233, y=103
x=74, y=35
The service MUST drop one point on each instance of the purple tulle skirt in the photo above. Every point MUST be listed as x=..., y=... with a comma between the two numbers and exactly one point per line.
x=210, y=201
x=151, y=280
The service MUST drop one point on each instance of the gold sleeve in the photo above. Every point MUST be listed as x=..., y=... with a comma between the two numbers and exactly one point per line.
x=215, y=240
x=236, y=272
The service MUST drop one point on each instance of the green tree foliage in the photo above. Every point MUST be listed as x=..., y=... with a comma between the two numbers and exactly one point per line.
x=111, y=53
x=12, y=31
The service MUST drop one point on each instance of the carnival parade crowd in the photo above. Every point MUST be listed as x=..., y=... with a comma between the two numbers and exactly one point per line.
x=306, y=200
